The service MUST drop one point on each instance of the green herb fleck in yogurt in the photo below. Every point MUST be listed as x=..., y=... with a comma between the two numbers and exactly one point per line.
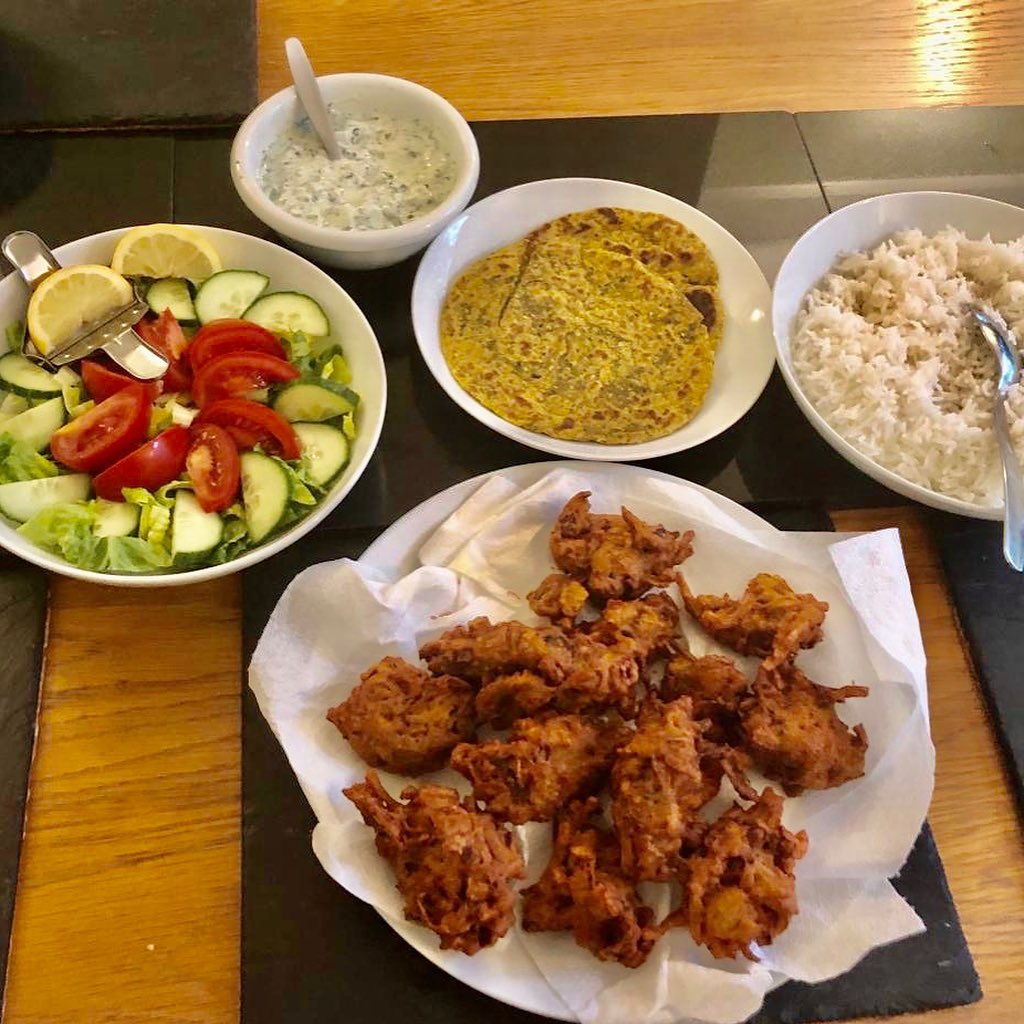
x=391, y=170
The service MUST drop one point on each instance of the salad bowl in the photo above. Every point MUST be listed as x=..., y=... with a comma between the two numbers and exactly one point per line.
x=287, y=272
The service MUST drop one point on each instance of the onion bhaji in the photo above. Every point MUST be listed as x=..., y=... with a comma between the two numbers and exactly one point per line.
x=403, y=719
x=454, y=865
x=615, y=556
x=794, y=734
x=769, y=621
x=739, y=887
x=583, y=890
x=544, y=763
x=660, y=780
x=651, y=622
x=715, y=685
x=559, y=598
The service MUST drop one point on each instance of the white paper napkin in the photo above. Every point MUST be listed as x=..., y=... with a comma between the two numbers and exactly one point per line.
x=336, y=619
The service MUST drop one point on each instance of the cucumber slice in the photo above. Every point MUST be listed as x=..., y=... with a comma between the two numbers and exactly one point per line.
x=265, y=492
x=288, y=313
x=194, y=533
x=116, y=518
x=37, y=425
x=11, y=406
x=22, y=500
x=228, y=294
x=22, y=377
x=172, y=293
x=313, y=401
x=324, y=451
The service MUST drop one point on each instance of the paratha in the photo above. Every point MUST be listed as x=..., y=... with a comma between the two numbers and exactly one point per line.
x=569, y=332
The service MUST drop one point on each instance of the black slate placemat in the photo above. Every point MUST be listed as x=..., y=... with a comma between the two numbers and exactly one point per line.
x=309, y=948
x=23, y=591
x=116, y=63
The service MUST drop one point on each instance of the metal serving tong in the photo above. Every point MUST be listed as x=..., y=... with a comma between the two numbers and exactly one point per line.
x=114, y=334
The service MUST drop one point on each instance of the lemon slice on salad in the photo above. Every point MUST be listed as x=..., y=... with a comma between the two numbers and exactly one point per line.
x=69, y=299
x=166, y=250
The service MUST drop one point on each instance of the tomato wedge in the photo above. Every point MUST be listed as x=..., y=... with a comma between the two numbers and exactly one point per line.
x=219, y=337
x=213, y=467
x=237, y=373
x=102, y=381
x=166, y=336
x=156, y=463
x=103, y=434
x=251, y=424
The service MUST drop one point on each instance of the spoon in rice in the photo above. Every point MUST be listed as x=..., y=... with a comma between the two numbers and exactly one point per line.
x=1013, y=483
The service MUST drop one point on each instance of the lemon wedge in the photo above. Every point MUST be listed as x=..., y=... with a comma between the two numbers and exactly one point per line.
x=69, y=299
x=165, y=250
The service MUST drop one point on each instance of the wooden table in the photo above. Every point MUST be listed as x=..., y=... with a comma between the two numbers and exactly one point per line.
x=128, y=905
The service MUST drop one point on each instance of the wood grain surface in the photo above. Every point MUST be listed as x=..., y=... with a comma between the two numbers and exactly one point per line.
x=548, y=58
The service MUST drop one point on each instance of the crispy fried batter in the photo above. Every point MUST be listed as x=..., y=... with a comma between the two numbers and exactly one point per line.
x=739, y=888
x=403, y=719
x=544, y=763
x=660, y=780
x=559, y=598
x=794, y=734
x=453, y=864
x=769, y=621
x=481, y=650
x=517, y=695
x=583, y=889
x=615, y=556
x=714, y=684
x=651, y=621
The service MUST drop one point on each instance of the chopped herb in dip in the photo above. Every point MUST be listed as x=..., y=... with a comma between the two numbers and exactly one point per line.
x=392, y=170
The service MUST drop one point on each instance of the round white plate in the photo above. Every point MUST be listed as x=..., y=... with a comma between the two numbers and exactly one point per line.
x=394, y=552
x=862, y=226
x=287, y=271
x=745, y=356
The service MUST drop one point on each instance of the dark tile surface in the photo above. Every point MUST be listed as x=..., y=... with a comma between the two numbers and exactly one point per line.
x=22, y=628
x=749, y=171
x=137, y=62
x=979, y=150
x=309, y=947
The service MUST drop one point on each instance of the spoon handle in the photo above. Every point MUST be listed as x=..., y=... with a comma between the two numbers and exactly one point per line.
x=1013, y=490
x=310, y=96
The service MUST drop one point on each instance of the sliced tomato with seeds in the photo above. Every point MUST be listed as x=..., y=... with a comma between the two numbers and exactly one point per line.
x=102, y=435
x=213, y=467
x=219, y=337
x=102, y=381
x=237, y=373
x=251, y=424
x=166, y=336
x=157, y=462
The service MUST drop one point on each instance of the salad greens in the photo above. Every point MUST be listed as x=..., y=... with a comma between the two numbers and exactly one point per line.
x=20, y=461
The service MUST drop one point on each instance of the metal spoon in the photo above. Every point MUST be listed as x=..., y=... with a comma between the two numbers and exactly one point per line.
x=310, y=96
x=1013, y=482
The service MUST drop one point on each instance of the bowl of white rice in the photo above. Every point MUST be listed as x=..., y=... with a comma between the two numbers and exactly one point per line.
x=872, y=338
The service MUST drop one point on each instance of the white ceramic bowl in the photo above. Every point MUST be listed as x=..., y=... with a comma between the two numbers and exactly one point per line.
x=355, y=250
x=745, y=356
x=861, y=226
x=286, y=271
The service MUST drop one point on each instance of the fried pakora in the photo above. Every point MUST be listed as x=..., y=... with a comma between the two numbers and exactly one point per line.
x=794, y=734
x=651, y=622
x=714, y=684
x=403, y=719
x=615, y=556
x=660, y=780
x=739, y=888
x=544, y=763
x=454, y=865
x=559, y=598
x=769, y=621
x=583, y=890
x=516, y=695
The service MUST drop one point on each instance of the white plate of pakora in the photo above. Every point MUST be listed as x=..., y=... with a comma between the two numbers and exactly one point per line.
x=477, y=549
x=594, y=319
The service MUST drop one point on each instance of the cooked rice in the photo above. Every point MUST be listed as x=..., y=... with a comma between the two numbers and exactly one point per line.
x=884, y=352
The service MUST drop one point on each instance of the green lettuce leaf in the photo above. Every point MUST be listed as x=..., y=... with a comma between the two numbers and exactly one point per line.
x=20, y=461
x=13, y=334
